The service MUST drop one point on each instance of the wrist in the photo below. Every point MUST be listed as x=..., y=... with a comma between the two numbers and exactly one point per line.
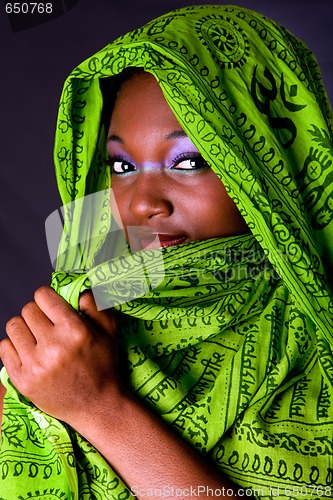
x=104, y=414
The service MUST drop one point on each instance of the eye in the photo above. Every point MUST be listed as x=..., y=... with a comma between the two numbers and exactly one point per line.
x=121, y=166
x=192, y=163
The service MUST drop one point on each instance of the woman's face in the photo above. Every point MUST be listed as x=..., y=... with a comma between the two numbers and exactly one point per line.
x=162, y=186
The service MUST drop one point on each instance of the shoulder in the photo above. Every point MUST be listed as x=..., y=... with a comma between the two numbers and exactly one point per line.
x=2, y=395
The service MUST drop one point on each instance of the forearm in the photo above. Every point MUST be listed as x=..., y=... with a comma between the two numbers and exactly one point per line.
x=48, y=338
x=149, y=456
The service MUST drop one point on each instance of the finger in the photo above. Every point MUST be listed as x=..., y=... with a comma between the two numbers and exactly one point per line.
x=10, y=359
x=36, y=320
x=106, y=320
x=21, y=336
x=53, y=306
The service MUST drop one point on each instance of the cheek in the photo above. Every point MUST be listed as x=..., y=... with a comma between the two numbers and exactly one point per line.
x=230, y=220
x=118, y=205
x=219, y=213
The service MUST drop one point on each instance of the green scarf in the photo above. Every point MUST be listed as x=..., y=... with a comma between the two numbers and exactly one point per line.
x=232, y=342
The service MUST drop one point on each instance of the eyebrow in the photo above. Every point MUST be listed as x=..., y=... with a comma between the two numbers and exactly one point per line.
x=176, y=134
x=114, y=138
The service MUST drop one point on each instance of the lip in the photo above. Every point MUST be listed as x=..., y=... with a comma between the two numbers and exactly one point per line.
x=145, y=239
x=168, y=240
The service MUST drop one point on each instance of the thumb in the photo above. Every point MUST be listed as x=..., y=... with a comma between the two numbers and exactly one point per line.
x=105, y=320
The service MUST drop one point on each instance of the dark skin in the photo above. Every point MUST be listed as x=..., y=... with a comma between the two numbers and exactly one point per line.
x=149, y=185
x=2, y=395
x=154, y=164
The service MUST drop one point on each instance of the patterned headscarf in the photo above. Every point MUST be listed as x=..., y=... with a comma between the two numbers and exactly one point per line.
x=232, y=345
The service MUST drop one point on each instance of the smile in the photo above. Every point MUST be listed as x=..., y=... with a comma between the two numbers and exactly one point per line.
x=147, y=239
x=167, y=240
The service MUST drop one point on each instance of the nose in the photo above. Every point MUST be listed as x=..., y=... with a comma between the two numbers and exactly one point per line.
x=150, y=196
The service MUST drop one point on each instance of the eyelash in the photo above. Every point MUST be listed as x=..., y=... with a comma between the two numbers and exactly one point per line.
x=176, y=161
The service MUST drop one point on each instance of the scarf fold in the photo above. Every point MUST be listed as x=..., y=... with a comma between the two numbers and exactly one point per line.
x=228, y=340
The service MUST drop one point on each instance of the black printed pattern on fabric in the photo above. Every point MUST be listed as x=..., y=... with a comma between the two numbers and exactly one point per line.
x=235, y=354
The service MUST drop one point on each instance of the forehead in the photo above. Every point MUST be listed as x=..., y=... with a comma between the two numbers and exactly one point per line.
x=140, y=100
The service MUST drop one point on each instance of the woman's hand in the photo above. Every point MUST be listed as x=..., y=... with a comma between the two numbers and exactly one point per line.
x=67, y=365
x=64, y=362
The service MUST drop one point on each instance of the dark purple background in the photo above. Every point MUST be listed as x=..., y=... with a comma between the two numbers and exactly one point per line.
x=34, y=63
